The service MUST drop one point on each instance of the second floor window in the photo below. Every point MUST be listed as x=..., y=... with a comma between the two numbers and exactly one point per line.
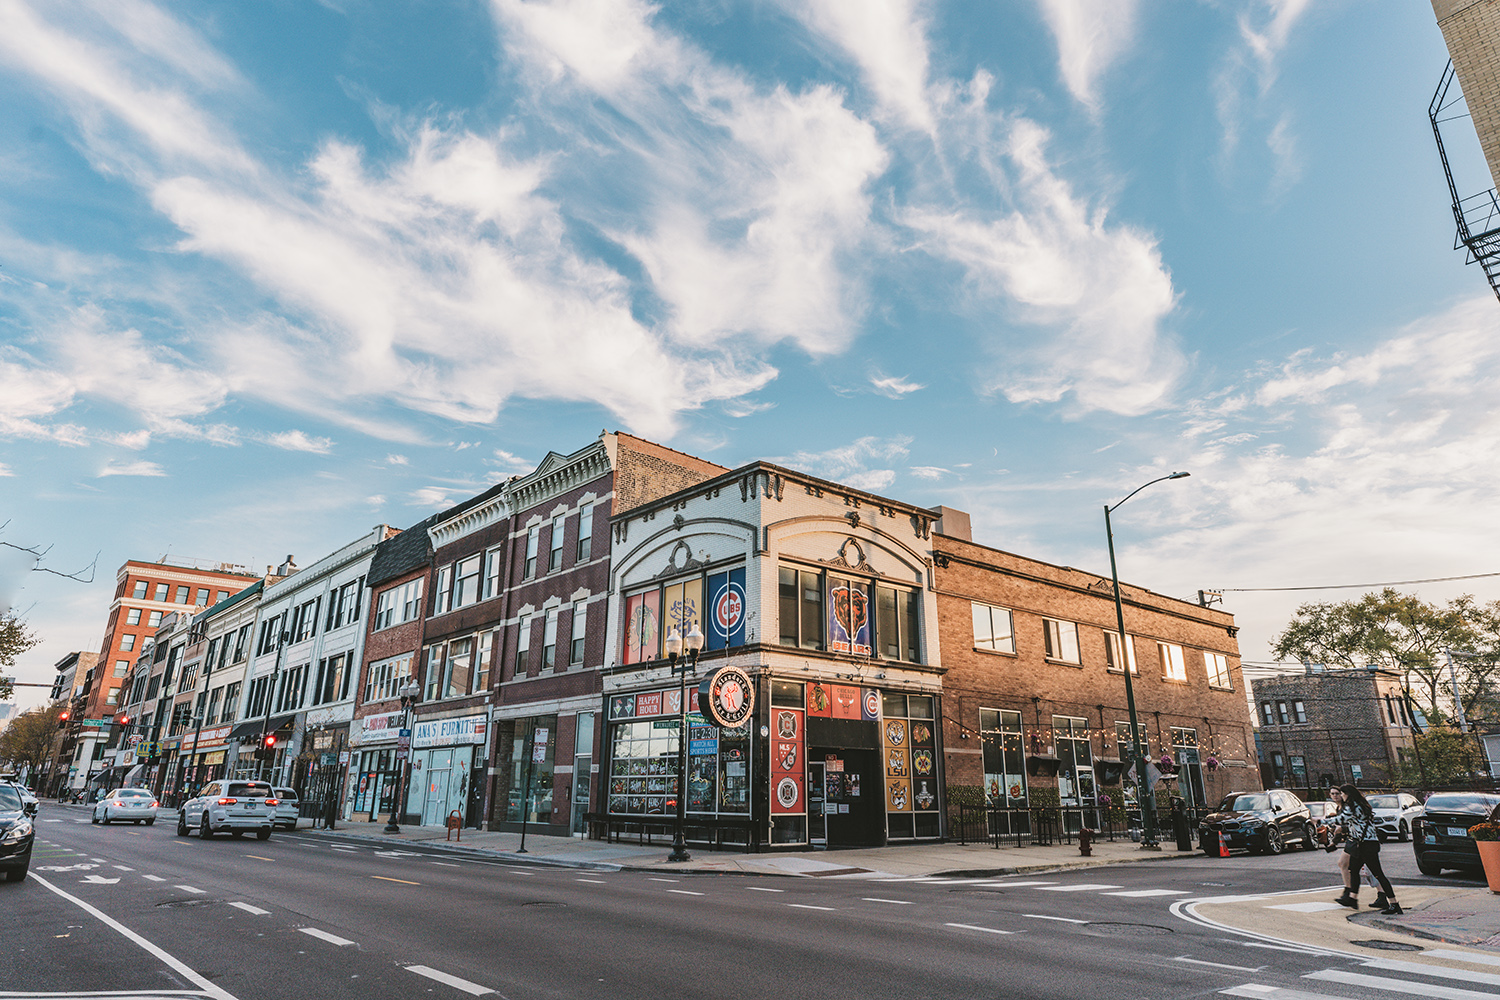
x=533, y=543
x=994, y=628
x=387, y=678
x=1112, y=656
x=549, y=641
x=1217, y=665
x=580, y=628
x=1061, y=640
x=1173, y=664
x=585, y=533
x=554, y=556
x=523, y=646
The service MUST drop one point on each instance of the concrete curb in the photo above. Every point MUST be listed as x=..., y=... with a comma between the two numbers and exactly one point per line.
x=459, y=848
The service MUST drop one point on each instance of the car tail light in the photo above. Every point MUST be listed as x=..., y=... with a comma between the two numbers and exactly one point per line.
x=119, y=803
x=154, y=804
x=272, y=802
x=227, y=802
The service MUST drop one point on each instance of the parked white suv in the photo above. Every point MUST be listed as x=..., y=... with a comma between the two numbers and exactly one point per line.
x=1394, y=814
x=286, y=808
x=235, y=806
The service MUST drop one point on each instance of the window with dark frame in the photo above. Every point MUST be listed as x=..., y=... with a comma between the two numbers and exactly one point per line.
x=585, y=533
x=140, y=589
x=549, y=640
x=442, y=593
x=492, y=568
x=1299, y=711
x=533, y=543
x=523, y=646
x=161, y=593
x=1267, y=713
x=1060, y=639
x=579, y=629
x=1112, y=656
x=554, y=555
x=466, y=580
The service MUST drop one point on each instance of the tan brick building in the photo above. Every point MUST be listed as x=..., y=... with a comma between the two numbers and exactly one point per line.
x=1034, y=698
x=1471, y=29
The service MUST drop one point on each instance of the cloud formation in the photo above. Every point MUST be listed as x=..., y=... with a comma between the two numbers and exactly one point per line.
x=1090, y=36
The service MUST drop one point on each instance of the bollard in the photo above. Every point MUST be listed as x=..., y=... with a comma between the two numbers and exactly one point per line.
x=455, y=823
x=1086, y=842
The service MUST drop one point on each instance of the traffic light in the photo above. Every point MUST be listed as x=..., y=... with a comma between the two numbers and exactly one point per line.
x=267, y=748
x=62, y=718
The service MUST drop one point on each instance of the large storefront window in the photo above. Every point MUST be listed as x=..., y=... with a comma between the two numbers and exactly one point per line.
x=530, y=781
x=1004, y=759
x=909, y=732
x=846, y=614
x=644, y=758
x=1075, y=771
x=1189, y=767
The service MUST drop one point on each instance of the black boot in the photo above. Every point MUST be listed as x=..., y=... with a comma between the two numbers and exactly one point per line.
x=1380, y=903
x=1394, y=910
x=1349, y=899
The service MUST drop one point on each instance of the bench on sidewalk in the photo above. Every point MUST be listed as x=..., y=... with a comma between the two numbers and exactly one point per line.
x=715, y=832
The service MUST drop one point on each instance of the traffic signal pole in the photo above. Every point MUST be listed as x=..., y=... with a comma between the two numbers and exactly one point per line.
x=260, y=751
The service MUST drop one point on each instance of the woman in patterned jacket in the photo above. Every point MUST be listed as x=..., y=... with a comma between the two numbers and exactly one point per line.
x=1363, y=848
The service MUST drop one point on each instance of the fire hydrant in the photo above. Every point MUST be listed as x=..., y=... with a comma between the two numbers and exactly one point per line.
x=1086, y=842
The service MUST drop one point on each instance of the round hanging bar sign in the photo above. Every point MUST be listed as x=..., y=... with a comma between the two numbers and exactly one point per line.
x=727, y=697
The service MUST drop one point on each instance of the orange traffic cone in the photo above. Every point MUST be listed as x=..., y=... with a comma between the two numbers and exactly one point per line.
x=1223, y=845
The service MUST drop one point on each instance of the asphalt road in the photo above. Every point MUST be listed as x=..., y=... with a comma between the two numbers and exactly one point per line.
x=132, y=908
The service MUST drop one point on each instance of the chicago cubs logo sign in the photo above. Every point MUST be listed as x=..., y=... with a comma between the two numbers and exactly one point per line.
x=727, y=697
x=728, y=609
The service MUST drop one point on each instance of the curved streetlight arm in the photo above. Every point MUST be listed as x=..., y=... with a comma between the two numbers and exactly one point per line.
x=1174, y=475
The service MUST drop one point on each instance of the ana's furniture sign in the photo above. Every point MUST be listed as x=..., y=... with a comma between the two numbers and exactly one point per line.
x=448, y=732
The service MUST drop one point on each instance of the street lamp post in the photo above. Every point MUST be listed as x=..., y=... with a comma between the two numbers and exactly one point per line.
x=282, y=638
x=409, y=695
x=675, y=644
x=193, y=757
x=1148, y=803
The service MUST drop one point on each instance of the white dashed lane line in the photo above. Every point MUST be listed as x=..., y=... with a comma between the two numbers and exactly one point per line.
x=325, y=936
x=1061, y=920
x=252, y=910
x=972, y=927
x=758, y=888
x=1144, y=893
x=664, y=880
x=446, y=864
x=592, y=881
x=473, y=989
x=153, y=878
x=188, y=888
x=685, y=892
x=122, y=868
x=807, y=906
x=898, y=902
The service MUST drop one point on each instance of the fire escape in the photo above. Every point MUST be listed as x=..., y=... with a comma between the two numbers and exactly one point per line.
x=1478, y=215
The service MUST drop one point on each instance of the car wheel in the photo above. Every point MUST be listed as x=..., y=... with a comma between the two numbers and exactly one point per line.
x=1309, y=837
x=1429, y=868
x=262, y=834
x=182, y=827
x=1403, y=832
x=1273, y=844
x=205, y=832
x=17, y=874
x=94, y=819
x=150, y=822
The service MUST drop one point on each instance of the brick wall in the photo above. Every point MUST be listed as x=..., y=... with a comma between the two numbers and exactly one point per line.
x=1346, y=725
x=646, y=471
x=1471, y=28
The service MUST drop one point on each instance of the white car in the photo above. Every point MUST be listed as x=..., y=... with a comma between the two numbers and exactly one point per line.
x=1394, y=814
x=226, y=805
x=286, y=807
x=135, y=804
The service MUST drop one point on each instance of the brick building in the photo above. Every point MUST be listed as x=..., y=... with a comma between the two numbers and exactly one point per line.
x=1331, y=727
x=1034, y=695
x=1471, y=30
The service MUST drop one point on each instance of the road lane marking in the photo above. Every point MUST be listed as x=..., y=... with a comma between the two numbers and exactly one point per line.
x=473, y=989
x=972, y=927
x=898, y=902
x=1306, y=907
x=447, y=864
x=594, y=881
x=1143, y=893
x=1463, y=956
x=401, y=880
x=1086, y=887
x=325, y=936
x=1397, y=985
x=216, y=992
x=1217, y=965
x=122, y=868
x=1442, y=972
x=188, y=888
x=1012, y=885
x=1061, y=920
x=664, y=880
x=154, y=878
x=255, y=910
x=801, y=906
x=759, y=888
x=257, y=857
x=685, y=892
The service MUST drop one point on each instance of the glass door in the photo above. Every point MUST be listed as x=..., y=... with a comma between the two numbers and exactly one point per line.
x=817, y=826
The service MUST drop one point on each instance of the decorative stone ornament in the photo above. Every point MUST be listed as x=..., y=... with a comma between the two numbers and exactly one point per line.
x=727, y=697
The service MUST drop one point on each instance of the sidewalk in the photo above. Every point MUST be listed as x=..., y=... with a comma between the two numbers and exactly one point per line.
x=975, y=860
x=1454, y=915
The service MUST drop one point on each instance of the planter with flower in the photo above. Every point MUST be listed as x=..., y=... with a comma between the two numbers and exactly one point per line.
x=1487, y=838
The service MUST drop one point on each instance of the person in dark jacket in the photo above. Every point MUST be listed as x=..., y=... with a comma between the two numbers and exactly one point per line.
x=1180, y=824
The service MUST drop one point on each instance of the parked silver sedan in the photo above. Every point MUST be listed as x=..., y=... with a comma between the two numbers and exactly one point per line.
x=137, y=805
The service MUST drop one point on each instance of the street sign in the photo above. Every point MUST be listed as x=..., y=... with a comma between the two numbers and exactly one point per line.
x=539, y=746
x=405, y=732
x=401, y=753
x=343, y=756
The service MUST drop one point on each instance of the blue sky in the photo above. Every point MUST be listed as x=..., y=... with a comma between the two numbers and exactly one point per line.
x=273, y=273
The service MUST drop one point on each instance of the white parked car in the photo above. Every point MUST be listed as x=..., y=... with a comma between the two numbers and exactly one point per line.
x=226, y=805
x=286, y=807
x=137, y=805
x=1394, y=814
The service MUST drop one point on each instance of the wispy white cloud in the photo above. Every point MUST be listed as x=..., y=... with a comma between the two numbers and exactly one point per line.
x=932, y=472
x=5, y=470
x=508, y=462
x=141, y=468
x=886, y=39
x=855, y=463
x=1091, y=35
x=295, y=440
x=1244, y=82
x=394, y=459
x=895, y=386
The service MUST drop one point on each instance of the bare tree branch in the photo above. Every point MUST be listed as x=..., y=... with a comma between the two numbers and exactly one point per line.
x=39, y=554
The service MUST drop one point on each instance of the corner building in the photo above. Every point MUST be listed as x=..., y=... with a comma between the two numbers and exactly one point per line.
x=824, y=596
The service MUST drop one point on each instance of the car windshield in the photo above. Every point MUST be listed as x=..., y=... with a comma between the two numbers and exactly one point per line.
x=1383, y=802
x=1478, y=805
x=251, y=791
x=10, y=799
x=285, y=793
x=1245, y=803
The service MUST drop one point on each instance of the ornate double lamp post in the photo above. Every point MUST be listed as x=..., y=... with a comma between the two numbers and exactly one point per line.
x=674, y=645
x=1148, y=804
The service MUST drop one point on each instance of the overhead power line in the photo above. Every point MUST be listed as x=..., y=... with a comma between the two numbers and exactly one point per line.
x=1352, y=586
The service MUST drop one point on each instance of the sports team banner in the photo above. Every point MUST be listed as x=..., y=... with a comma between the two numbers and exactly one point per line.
x=788, y=769
x=848, y=617
x=726, y=610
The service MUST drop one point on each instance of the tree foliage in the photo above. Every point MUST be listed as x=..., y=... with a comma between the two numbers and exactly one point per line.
x=1403, y=633
x=15, y=639
x=1444, y=756
x=27, y=740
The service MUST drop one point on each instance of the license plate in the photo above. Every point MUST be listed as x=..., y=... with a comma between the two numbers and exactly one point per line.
x=1457, y=831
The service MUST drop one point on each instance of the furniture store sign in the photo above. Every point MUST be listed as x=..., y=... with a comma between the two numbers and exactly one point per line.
x=448, y=732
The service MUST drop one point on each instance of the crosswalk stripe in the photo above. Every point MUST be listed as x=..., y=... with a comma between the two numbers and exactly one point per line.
x=1086, y=887
x=1463, y=956
x=1273, y=993
x=254, y=910
x=1144, y=893
x=972, y=927
x=325, y=936
x=188, y=888
x=154, y=878
x=1014, y=885
x=1398, y=985
x=1440, y=971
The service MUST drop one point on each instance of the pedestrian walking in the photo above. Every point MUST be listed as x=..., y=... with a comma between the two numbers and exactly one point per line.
x=1180, y=825
x=1363, y=847
x=1333, y=824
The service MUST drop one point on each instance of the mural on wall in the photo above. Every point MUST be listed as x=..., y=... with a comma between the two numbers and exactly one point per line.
x=848, y=617
x=643, y=627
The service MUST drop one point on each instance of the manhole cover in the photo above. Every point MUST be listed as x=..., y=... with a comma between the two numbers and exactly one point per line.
x=1127, y=930
x=544, y=903
x=187, y=902
x=1380, y=945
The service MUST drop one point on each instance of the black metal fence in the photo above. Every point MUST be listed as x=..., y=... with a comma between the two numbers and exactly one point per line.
x=1047, y=825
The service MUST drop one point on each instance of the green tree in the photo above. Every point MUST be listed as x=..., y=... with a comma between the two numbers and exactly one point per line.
x=1403, y=633
x=15, y=639
x=1444, y=756
x=27, y=740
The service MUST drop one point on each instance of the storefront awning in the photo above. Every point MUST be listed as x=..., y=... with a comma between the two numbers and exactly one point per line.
x=256, y=726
